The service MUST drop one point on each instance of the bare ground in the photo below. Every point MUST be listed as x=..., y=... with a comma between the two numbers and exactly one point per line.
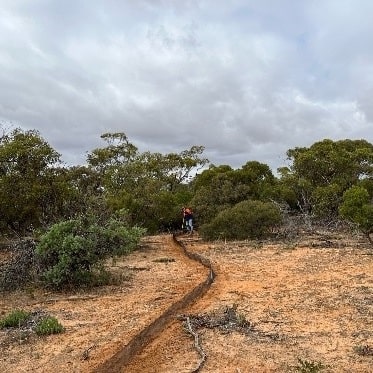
x=305, y=302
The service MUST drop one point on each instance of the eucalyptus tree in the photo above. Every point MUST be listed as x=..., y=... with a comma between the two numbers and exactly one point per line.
x=320, y=174
x=30, y=190
x=151, y=186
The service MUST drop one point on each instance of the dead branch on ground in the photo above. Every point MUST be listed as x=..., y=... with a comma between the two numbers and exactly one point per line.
x=196, y=345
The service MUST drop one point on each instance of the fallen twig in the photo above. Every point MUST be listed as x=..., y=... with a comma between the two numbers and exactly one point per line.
x=85, y=355
x=196, y=345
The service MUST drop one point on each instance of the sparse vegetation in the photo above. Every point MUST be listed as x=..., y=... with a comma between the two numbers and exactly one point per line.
x=22, y=325
x=14, y=319
x=309, y=366
x=20, y=269
x=364, y=350
x=226, y=319
x=265, y=314
x=76, y=217
x=49, y=325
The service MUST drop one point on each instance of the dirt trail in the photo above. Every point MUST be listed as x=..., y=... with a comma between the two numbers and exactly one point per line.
x=127, y=354
x=306, y=305
x=100, y=322
x=309, y=301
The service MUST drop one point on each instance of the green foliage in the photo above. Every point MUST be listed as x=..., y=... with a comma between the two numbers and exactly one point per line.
x=326, y=200
x=36, y=191
x=70, y=252
x=366, y=183
x=321, y=173
x=82, y=193
x=205, y=178
x=358, y=208
x=118, y=151
x=305, y=366
x=29, y=191
x=15, y=318
x=342, y=162
x=49, y=325
x=284, y=190
x=247, y=219
x=115, y=237
x=148, y=185
x=219, y=188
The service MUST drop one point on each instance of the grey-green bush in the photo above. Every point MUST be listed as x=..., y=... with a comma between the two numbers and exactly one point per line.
x=71, y=251
x=247, y=219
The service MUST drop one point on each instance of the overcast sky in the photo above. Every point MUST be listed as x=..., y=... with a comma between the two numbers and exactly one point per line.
x=247, y=79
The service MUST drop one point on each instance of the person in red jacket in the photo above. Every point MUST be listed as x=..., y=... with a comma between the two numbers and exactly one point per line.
x=188, y=219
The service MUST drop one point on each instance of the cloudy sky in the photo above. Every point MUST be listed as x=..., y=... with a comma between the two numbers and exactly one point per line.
x=247, y=79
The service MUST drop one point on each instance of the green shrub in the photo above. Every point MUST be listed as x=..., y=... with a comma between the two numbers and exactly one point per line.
x=71, y=251
x=247, y=219
x=48, y=325
x=15, y=318
x=358, y=208
x=305, y=366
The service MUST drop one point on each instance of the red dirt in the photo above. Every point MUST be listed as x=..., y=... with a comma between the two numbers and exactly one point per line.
x=303, y=301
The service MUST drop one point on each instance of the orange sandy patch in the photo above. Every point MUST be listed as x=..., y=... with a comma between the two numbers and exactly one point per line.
x=303, y=301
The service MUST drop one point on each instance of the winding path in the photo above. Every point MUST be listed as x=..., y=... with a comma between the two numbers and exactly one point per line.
x=123, y=357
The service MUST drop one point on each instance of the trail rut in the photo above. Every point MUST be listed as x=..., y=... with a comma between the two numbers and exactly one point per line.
x=311, y=301
x=123, y=357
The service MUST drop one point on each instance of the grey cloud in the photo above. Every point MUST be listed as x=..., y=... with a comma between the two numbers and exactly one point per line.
x=246, y=79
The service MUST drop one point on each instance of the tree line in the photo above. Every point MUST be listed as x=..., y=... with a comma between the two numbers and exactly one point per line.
x=76, y=217
x=327, y=181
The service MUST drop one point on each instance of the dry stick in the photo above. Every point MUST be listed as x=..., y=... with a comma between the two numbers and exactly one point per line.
x=85, y=355
x=197, y=346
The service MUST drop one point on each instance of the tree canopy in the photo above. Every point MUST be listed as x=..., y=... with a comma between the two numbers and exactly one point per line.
x=29, y=180
x=320, y=174
x=323, y=181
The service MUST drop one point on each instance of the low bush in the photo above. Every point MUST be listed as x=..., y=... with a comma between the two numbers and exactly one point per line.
x=71, y=253
x=15, y=318
x=49, y=325
x=247, y=219
x=306, y=366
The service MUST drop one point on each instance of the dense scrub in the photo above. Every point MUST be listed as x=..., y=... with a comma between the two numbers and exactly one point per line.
x=328, y=181
x=71, y=252
x=247, y=219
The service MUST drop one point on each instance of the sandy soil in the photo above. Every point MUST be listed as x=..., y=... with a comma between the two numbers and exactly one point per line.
x=310, y=300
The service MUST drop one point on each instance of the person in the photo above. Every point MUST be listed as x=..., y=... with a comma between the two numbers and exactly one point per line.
x=188, y=218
